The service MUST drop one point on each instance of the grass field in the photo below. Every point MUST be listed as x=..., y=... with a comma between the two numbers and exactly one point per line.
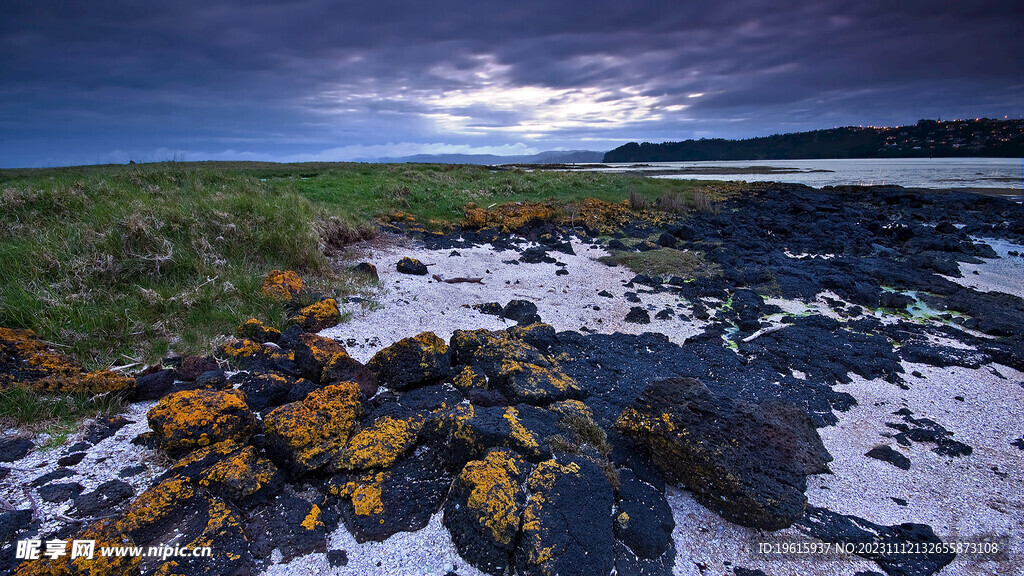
x=117, y=264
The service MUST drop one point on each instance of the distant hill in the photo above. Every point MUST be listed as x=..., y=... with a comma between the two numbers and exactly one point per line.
x=549, y=157
x=928, y=138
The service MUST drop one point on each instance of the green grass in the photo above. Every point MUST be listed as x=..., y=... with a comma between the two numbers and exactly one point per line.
x=663, y=262
x=55, y=415
x=129, y=263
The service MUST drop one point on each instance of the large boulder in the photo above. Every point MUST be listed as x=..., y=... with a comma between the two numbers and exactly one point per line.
x=229, y=469
x=567, y=524
x=511, y=366
x=746, y=462
x=466, y=432
x=380, y=444
x=485, y=508
x=375, y=504
x=196, y=418
x=304, y=436
x=411, y=362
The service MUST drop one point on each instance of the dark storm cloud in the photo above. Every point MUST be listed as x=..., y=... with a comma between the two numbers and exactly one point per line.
x=283, y=78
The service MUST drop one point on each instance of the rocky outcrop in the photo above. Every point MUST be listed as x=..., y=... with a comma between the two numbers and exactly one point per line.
x=193, y=419
x=318, y=316
x=304, y=436
x=411, y=362
x=567, y=524
x=485, y=509
x=746, y=462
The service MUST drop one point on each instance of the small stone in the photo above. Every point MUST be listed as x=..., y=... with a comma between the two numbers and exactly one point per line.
x=367, y=270
x=104, y=427
x=153, y=386
x=15, y=449
x=338, y=558
x=131, y=471
x=887, y=454
x=104, y=497
x=638, y=315
x=605, y=294
x=411, y=266
x=71, y=459
x=60, y=492
x=51, y=476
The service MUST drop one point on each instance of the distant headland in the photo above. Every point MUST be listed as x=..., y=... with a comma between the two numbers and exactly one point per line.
x=982, y=137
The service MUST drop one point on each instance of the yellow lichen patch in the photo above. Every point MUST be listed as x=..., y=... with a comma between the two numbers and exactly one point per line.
x=196, y=418
x=469, y=377
x=572, y=408
x=508, y=217
x=431, y=343
x=98, y=382
x=316, y=317
x=379, y=445
x=599, y=215
x=255, y=330
x=282, y=285
x=530, y=381
x=312, y=520
x=312, y=431
x=241, y=349
x=242, y=473
x=156, y=504
x=520, y=434
x=364, y=492
x=24, y=357
x=455, y=422
x=544, y=476
x=493, y=489
x=323, y=350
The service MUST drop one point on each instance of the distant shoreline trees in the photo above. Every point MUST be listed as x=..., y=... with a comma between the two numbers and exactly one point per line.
x=982, y=137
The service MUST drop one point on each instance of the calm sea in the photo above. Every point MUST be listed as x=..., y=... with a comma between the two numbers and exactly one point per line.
x=941, y=173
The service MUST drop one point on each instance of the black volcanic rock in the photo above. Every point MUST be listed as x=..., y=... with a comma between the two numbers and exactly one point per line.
x=411, y=266
x=567, y=528
x=829, y=526
x=746, y=462
x=887, y=454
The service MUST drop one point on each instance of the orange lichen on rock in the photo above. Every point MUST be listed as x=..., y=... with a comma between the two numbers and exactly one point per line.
x=104, y=534
x=257, y=331
x=411, y=362
x=380, y=444
x=306, y=435
x=239, y=474
x=282, y=285
x=364, y=492
x=520, y=434
x=312, y=520
x=196, y=418
x=316, y=317
x=509, y=217
x=242, y=349
x=494, y=490
x=523, y=382
x=26, y=360
x=470, y=377
x=573, y=408
x=98, y=382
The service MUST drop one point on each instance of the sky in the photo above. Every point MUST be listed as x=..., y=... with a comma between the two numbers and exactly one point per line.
x=110, y=81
